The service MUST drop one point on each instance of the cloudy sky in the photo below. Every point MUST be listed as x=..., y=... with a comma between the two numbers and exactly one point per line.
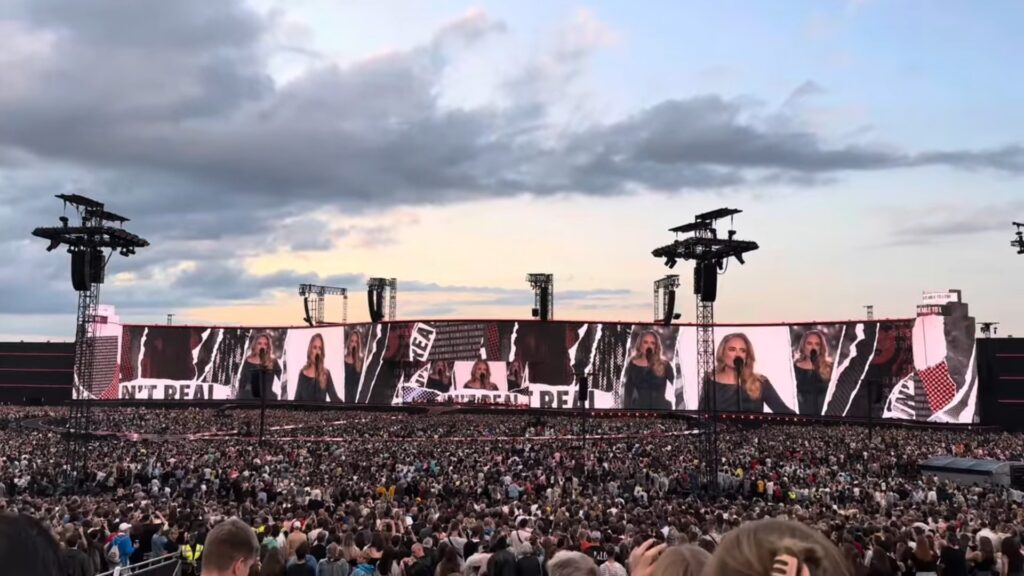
x=876, y=148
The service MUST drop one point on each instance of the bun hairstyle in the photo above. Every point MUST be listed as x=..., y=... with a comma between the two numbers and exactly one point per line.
x=769, y=547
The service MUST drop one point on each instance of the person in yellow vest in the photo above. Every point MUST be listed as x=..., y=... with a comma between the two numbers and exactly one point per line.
x=192, y=554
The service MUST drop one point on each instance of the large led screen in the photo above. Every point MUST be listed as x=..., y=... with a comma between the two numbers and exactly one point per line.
x=919, y=369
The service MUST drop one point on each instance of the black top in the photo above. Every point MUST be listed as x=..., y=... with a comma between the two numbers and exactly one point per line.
x=954, y=562
x=734, y=398
x=921, y=565
x=645, y=390
x=985, y=565
x=249, y=381
x=810, y=390
x=351, y=382
x=308, y=390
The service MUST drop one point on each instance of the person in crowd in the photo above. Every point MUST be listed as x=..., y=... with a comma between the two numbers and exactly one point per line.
x=334, y=564
x=231, y=549
x=776, y=547
x=259, y=370
x=1011, y=561
x=303, y=564
x=569, y=563
x=983, y=560
x=274, y=563
x=76, y=562
x=27, y=548
x=120, y=548
x=191, y=555
x=685, y=560
x=737, y=387
x=813, y=371
x=315, y=381
x=613, y=566
x=649, y=376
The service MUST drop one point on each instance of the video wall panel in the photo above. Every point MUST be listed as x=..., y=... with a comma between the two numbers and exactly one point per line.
x=920, y=369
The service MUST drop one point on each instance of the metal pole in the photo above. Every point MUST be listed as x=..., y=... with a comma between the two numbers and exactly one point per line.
x=263, y=400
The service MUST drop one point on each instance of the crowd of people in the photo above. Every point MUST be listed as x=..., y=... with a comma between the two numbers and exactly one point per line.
x=367, y=493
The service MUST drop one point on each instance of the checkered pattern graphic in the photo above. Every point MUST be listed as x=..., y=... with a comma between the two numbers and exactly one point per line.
x=411, y=394
x=939, y=385
x=492, y=341
x=111, y=392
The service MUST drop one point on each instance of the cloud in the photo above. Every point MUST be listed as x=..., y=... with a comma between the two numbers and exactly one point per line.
x=182, y=127
x=947, y=222
x=186, y=126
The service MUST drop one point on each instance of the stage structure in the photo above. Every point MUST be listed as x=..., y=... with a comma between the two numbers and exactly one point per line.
x=313, y=302
x=988, y=328
x=1018, y=242
x=665, y=299
x=543, y=295
x=377, y=290
x=710, y=255
x=86, y=244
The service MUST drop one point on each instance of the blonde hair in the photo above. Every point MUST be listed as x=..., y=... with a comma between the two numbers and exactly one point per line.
x=322, y=381
x=686, y=560
x=659, y=363
x=750, y=380
x=825, y=362
x=751, y=549
x=269, y=360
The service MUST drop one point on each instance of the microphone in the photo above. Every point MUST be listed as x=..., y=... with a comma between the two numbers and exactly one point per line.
x=814, y=356
x=737, y=363
x=263, y=355
x=649, y=354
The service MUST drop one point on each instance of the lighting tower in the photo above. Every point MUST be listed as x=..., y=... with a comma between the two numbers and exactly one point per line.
x=665, y=299
x=710, y=255
x=99, y=230
x=543, y=295
x=376, y=291
x=313, y=302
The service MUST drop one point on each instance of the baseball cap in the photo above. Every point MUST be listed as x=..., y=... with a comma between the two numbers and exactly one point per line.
x=124, y=527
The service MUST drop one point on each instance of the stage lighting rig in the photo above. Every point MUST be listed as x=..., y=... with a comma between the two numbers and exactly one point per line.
x=665, y=299
x=1018, y=242
x=313, y=302
x=86, y=243
x=375, y=296
x=988, y=329
x=709, y=254
x=543, y=295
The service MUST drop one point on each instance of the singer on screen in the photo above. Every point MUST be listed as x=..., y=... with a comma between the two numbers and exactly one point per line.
x=813, y=370
x=648, y=375
x=259, y=370
x=737, y=386
x=353, y=365
x=480, y=378
x=315, y=382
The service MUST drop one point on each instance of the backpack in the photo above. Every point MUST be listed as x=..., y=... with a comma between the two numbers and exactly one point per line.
x=469, y=548
x=112, y=553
